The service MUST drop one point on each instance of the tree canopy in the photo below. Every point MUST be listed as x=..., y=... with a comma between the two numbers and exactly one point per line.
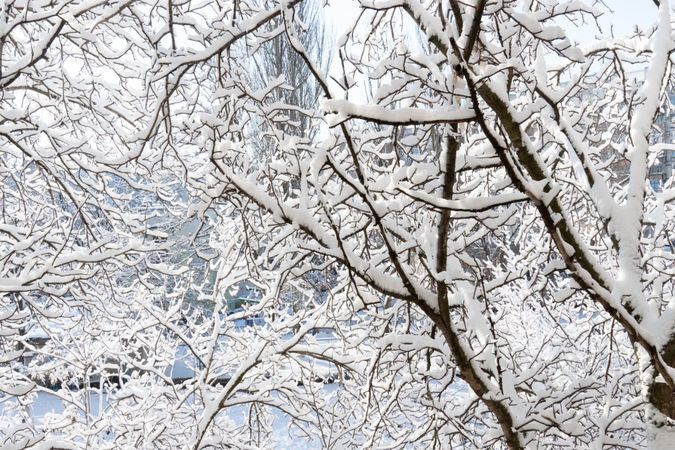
x=450, y=227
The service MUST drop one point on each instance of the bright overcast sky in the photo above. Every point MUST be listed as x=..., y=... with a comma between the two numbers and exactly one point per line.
x=627, y=14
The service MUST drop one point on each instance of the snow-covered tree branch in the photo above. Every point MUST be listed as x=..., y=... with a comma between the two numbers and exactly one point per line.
x=457, y=234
